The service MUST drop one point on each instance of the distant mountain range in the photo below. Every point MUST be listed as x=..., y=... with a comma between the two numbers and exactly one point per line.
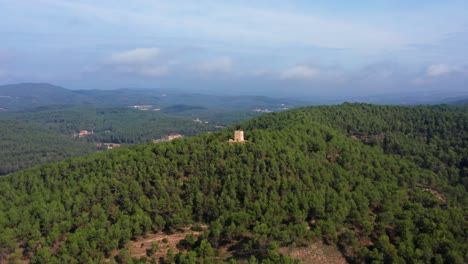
x=17, y=97
x=24, y=96
x=31, y=95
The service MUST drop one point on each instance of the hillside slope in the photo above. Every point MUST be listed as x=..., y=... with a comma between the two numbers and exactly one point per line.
x=112, y=124
x=30, y=95
x=32, y=138
x=24, y=145
x=295, y=181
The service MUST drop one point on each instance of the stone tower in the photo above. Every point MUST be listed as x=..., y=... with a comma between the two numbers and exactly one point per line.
x=238, y=137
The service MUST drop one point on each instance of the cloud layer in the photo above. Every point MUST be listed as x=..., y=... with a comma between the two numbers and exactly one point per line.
x=139, y=61
x=135, y=56
x=308, y=47
x=436, y=70
x=300, y=72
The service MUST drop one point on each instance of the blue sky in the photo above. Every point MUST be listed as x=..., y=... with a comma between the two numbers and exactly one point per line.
x=260, y=47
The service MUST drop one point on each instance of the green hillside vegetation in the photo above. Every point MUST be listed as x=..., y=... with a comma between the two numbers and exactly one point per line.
x=31, y=95
x=49, y=134
x=24, y=145
x=116, y=124
x=384, y=184
x=222, y=110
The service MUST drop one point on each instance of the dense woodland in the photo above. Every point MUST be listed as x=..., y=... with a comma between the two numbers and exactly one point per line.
x=385, y=184
x=52, y=110
x=24, y=145
x=116, y=125
x=50, y=133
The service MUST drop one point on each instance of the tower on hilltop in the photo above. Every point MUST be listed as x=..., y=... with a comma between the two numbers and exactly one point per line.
x=238, y=137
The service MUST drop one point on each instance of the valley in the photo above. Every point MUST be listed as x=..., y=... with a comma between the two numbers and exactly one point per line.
x=95, y=120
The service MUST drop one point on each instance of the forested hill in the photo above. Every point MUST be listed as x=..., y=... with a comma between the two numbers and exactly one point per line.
x=384, y=184
x=24, y=145
x=32, y=138
x=30, y=95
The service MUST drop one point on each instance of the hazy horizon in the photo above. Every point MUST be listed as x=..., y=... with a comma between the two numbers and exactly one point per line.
x=272, y=48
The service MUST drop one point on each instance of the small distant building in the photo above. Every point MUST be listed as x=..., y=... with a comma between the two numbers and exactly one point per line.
x=107, y=145
x=173, y=136
x=266, y=110
x=168, y=138
x=142, y=107
x=238, y=137
x=197, y=120
x=84, y=133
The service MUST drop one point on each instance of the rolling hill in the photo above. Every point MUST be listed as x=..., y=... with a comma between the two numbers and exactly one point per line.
x=27, y=96
x=384, y=184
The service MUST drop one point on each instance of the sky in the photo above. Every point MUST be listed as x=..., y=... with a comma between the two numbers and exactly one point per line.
x=296, y=48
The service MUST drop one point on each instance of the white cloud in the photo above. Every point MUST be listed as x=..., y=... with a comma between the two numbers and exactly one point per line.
x=139, y=61
x=300, y=72
x=437, y=70
x=149, y=71
x=135, y=56
x=234, y=23
x=218, y=65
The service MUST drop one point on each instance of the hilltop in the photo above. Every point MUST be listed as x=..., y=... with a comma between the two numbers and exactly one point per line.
x=381, y=183
x=30, y=95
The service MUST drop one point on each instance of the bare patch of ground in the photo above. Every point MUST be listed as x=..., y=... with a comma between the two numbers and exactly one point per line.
x=315, y=253
x=439, y=196
x=368, y=138
x=139, y=247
